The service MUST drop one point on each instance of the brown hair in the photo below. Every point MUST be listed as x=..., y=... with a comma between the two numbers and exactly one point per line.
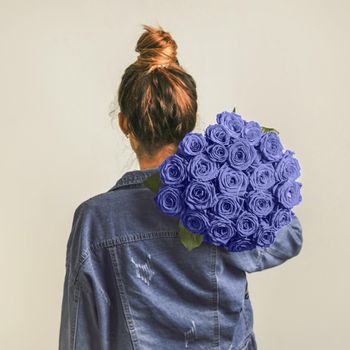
x=157, y=96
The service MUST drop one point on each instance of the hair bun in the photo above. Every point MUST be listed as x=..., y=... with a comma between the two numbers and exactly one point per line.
x=157, y=48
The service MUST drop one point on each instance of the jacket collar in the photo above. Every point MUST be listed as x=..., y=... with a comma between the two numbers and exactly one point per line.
x=134, y=177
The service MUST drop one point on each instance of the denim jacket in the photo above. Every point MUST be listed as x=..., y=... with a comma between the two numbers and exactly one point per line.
x=131, y=284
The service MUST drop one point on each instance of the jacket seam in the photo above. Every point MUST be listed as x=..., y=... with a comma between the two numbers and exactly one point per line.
x=77, y=296
x=215, y=299
x=259, y=259
x=124, y=300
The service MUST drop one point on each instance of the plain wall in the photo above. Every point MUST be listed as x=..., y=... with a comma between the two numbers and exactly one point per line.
x=282, y=63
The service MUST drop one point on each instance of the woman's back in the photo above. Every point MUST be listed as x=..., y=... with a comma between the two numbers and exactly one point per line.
x=131, y=284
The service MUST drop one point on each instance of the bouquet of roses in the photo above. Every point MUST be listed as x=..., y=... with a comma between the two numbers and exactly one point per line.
x=233, y=187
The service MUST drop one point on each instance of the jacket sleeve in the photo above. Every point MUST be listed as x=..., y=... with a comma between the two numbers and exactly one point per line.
x=287, y=244
x=69, y=311
x=71, y=293
x=86, y=309
x=78, y=324
x=69, y=305
x=80, y=327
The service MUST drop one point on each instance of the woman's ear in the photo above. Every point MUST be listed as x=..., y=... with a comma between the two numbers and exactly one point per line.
x=123, y=123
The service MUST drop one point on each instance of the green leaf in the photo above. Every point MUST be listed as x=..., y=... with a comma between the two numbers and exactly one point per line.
x=189, y=239
x=234, y=110
x=265, y=129
x=153, y=182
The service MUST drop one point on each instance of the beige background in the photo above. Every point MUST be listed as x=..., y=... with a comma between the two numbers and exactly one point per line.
x=282, y=63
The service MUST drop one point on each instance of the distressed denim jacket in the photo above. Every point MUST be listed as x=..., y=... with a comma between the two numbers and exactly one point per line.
x=131, y=284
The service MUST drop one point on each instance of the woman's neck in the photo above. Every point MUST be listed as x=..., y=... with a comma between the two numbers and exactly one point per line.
x=156, y=160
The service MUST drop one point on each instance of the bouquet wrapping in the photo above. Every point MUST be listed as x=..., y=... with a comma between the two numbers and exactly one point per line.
x=233, y=186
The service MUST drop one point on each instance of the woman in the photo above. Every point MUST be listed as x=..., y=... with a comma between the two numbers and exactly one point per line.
x=130, y=283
